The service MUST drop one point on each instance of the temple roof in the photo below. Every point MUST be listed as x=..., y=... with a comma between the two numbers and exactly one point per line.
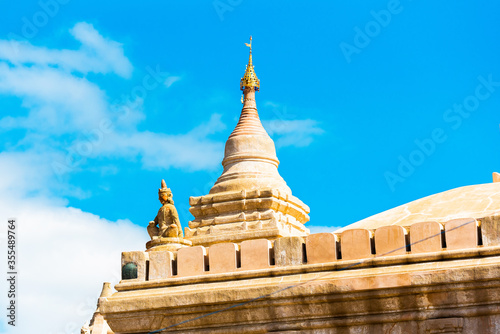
x=476, y=201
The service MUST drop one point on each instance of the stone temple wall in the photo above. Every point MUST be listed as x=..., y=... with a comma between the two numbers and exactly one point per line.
x=423, y=241
x=428, y=277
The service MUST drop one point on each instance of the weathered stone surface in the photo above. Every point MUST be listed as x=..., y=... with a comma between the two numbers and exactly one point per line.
x=191, y=261
x=390, y=240
x=445, y=325
x=356, y=244
x=160, y=264
x=476, y=201
x=241, y=215
x=139, y=259
x=255, y=254
x=98, y=324
x=461, y=233
x=426, y=237
x=288, y=251
x=321, y=248
x=490, y=230
x=366, y=300
x=223, y=257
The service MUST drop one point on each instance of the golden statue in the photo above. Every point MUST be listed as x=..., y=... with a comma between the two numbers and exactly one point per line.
x=166, y=223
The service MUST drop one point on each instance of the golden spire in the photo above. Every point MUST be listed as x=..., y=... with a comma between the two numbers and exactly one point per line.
x=250, y=79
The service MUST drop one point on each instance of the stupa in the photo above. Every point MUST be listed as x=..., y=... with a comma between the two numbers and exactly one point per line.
x=250, y=200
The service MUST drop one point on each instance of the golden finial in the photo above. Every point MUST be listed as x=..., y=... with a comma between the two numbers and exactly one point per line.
x=250, y=44
x=250, y=79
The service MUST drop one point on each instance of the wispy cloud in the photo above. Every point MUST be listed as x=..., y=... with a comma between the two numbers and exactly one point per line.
x=287, y=129
x=65, y=106
x=193, y=150
x=298, y=133
x=58, y=102
x=97, y=54
x=169, y=81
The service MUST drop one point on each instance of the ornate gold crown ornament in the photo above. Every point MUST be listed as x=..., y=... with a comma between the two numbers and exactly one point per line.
x=250, y=79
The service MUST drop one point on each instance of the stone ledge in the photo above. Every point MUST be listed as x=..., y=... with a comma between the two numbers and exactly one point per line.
x=237, y=236
x=169, y=244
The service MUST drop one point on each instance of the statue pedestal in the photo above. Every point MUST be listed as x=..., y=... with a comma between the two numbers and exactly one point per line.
x=167, y=244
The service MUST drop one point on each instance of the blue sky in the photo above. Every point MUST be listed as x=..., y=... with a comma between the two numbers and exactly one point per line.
x=371, y=105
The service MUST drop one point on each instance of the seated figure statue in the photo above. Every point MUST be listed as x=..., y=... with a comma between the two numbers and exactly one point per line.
x=166, y=223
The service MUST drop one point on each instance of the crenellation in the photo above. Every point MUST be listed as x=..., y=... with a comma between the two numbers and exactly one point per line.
x=256, y=254
x=321, y=248
x=191, y=261
x=134, y=263
x=161, y=265
x=355, y=244
x=426, y=237
x=223, y=257
x=461, y=233
x=490, y=230
x=390, y=240
x=288, y=251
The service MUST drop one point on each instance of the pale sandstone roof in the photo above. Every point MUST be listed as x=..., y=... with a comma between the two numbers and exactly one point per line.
x=474, y=201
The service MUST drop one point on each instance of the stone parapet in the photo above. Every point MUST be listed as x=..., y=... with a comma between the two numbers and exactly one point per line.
x=429, y=277
x=386, y=245
x=458, y=294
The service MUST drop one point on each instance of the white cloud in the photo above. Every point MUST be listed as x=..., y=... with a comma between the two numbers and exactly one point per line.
x=64, y=255
x=192, y=151
x=287, y=129
x=58, y=102
x=97, y=54
x=298, y=133
x=169, y=81
x=62, y=104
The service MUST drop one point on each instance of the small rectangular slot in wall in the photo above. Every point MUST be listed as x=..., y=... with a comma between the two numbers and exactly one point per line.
x=238, y=258
x=207, y=265
x=271, y=257
x=147, y=270
x=304, y=253
x=408, y=243
x=174, y=267
x=443, y=239
x=339, y=250
x=479, y=235
x=372, y=244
